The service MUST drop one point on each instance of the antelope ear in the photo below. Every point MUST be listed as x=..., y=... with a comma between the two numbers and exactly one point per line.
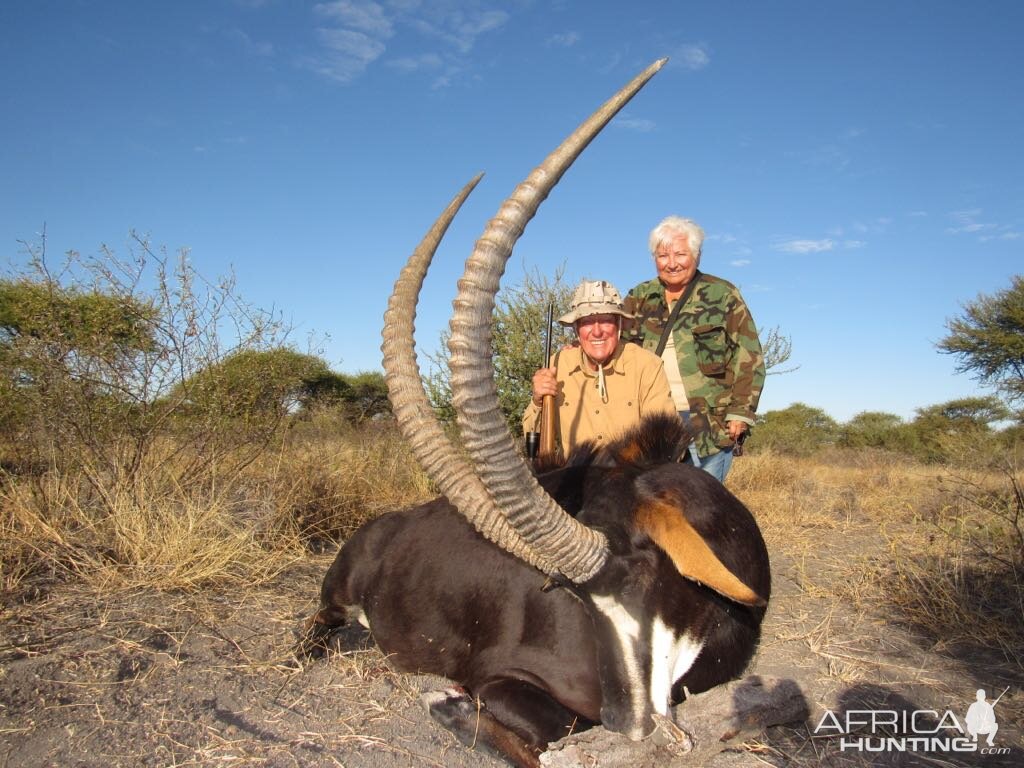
x=693, y=558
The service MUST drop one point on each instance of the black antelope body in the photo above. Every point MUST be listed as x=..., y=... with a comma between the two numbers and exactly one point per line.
x=592, y=594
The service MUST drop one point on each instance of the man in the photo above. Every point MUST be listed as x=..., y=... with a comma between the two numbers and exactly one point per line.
x=981, y=718
x=601, y=387
x=711, y=351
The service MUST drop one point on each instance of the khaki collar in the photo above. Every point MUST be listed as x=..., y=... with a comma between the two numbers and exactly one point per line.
x=612, y=366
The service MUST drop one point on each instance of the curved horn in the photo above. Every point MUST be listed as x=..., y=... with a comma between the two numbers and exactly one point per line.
x=416, y=421
x=579, y=551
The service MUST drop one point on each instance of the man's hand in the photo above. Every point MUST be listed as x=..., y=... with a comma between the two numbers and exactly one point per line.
x=544, y=383
x=736, y=428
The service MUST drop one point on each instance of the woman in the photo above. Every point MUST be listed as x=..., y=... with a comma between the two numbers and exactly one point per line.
x=712, y=355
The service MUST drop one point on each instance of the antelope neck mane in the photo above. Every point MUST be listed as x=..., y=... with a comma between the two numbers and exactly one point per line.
x=657, y=439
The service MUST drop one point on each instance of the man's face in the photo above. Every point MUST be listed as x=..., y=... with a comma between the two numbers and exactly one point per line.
x=676, y=263
x=599, y=336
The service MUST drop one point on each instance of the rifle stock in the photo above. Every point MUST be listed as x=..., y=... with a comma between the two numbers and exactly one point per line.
x=547, y=426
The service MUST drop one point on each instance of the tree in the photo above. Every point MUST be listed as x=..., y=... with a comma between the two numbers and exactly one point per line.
x=965, y=413
x=93, y=355
x=799, y=429
x=260, y=387
x=365, y=396
x=52, y=339
x=777, y=349
x=963, y=425
x=988, y=339
x=517, y=341
x=877, y=429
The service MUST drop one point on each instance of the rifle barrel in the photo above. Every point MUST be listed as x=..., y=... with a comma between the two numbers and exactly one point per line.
x=547, y=339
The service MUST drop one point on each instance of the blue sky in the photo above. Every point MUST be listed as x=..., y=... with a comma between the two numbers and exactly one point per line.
x=857, y=165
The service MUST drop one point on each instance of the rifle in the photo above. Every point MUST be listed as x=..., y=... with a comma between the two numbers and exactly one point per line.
x=547, y=408
x=544, y=441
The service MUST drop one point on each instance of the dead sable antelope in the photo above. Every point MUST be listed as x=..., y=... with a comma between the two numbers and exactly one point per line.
x=594, y=593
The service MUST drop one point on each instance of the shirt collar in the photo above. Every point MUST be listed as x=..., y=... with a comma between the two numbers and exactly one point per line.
x=656, y=289
x=612, y=366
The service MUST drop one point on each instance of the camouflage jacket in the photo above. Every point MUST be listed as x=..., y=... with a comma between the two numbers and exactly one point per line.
x=719, y=353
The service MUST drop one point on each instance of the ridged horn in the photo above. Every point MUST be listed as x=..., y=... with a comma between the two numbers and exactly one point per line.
x=416, y=420
x=579, y=551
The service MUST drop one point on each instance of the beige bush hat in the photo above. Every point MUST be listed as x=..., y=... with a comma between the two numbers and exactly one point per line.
x=594, y=297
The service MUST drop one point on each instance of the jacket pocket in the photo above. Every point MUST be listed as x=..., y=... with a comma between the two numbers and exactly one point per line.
x=711, y=346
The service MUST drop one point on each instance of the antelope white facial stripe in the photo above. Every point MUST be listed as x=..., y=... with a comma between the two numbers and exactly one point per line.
x=672, y=655
x=627, y=632
x=362, y=618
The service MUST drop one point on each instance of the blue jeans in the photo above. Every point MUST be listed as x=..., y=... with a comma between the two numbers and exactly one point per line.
x=717, y=464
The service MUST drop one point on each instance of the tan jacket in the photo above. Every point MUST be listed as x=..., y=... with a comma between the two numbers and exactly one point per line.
x=636, y=386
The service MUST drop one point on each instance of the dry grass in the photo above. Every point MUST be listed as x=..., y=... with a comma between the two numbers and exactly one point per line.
x=140, y=539
x=890, y=558
x=937, y=550
x=956, y=571
x=325, y=485
x=908, y=590
x=154, y=533
x=931, y=549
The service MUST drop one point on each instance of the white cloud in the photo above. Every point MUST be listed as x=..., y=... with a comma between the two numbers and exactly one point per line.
x=349, y=43
x=410, y=64
x=611, y=64
x=859, y=227
x=355, y=33
x=443, y=81
x=563, y=39
x=827, y=156
x=806, y=246
x=635, y=124
x=693, y=56
x=479, y=23
x=966, y=222
x=348, y=54
x=853, y=244
x=361, y=15
x=740, y=263
x=1005, y=236
x=459, y=28
x=249, y=45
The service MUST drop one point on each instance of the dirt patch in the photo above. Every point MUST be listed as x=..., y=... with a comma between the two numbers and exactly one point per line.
x=156, y=679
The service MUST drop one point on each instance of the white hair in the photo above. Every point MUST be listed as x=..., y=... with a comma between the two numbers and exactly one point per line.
x=672, y=226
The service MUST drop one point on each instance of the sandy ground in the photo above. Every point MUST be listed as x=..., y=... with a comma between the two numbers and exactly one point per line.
x=154, y=679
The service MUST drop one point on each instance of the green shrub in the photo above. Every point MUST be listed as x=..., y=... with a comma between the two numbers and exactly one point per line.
x=798, y=430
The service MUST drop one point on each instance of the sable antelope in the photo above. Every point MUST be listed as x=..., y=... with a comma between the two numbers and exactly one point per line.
x=663, y=575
